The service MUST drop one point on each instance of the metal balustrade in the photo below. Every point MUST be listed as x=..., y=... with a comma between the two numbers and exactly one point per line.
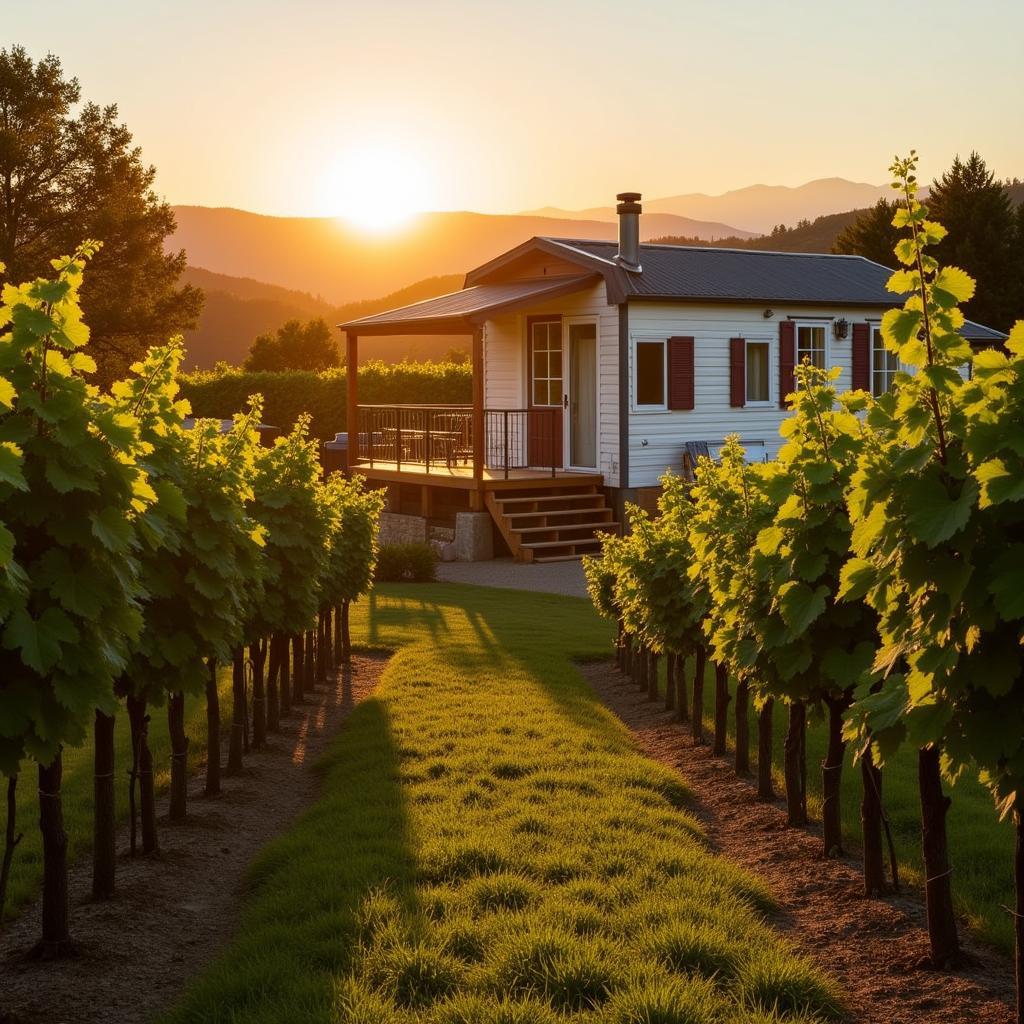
x=439, y=439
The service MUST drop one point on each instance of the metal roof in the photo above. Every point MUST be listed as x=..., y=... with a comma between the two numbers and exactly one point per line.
x=704, y=273
x=672, y=273
x=458, y=312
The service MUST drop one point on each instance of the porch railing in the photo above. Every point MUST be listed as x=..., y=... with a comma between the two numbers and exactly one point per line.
x=439, y=439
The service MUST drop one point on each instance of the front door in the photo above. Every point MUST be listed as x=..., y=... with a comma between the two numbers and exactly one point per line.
x=582, y=395
x=544, y=427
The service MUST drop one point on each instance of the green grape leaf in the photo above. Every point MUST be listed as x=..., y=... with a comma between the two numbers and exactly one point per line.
x=800, y=605
x=933, y=515
x=112, y=529
x=10, y=466
x=39, y=641
x=952, y=286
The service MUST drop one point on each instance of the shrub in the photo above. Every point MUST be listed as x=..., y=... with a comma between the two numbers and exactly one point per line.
x=406, y=563
x=220, y=393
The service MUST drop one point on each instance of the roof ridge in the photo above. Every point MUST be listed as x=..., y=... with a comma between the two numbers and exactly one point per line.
x=712, y=248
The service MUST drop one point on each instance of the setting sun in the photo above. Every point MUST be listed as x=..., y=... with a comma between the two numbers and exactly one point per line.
x=380, y=186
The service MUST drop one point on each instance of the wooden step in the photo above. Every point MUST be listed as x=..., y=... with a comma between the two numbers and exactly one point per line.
x=547, y=499
x=572, y=542
x=557, y=558
x=565, y=527
x=549, y=513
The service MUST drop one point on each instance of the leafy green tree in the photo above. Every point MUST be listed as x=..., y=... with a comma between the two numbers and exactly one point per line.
x=288, y=505
x=70, y=171
x=871, y=235
x=983, y=237
x=915, y=538
x=732, y=505
x=352, y=553
x=149, y=398
x=661, y=605
x=295, y=346
x=821, y=647
x=985, y=686
x=63, y=646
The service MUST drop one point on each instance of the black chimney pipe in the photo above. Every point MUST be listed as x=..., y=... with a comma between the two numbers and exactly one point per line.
x=629, y=230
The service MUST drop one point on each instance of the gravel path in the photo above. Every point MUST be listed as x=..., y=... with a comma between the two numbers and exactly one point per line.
x=545, y=577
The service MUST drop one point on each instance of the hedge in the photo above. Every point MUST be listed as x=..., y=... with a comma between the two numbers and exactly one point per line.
x=220, y=393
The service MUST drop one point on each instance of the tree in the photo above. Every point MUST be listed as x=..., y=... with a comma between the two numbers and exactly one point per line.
x=915, y=541
x=354, y=515
x=66, y=640
x=983, y=239
x=295, y=346
x=149, y=398
x=821, y=647
x=288, y=505
x=871, y=235
x=68, y=174
x=733, y=504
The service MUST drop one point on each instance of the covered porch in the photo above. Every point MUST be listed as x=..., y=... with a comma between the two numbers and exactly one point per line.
x=470, y=447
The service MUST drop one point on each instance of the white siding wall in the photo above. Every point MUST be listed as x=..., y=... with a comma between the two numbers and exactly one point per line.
x=505, y=369
x=656, y=438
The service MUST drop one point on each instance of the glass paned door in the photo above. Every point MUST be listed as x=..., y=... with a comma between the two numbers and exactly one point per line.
x=546, y=392
x=583, y=395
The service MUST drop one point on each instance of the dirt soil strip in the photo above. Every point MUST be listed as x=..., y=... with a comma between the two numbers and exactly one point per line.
x=873, y=948
x=175, y=911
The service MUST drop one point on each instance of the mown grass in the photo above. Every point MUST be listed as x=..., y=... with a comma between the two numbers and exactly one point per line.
x=490, y=848
x=981, y=847
x=27, y=866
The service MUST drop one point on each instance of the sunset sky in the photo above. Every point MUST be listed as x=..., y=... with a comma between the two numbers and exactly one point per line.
x=320, y=107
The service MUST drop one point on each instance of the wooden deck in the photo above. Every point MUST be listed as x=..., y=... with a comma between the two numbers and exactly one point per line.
x=461, y=476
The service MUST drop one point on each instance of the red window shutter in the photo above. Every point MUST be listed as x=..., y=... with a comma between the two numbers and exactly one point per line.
x=787, y=361
x=680, y=373
x=737, y=372
x=861, y=357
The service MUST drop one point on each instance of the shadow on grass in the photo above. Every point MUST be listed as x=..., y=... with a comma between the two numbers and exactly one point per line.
x=308, y=890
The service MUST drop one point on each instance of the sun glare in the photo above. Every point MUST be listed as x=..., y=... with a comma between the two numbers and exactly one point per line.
x=380, y=186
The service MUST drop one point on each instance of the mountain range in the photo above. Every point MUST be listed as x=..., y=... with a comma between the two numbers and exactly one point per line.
x=329, y=258
x=259, y=271
x=758, y=208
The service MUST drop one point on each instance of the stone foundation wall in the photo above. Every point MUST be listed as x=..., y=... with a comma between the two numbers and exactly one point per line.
x=401, y=529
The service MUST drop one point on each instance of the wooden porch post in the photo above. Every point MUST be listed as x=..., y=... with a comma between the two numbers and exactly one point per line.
x=352, y=404
x=477, y=497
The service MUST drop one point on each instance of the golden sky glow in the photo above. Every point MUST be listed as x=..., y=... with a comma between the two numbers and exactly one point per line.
x=378, y=184
x=290, y=108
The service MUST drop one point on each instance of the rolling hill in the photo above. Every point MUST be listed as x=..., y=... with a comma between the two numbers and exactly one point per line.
x=324, y=256
x=239, y=308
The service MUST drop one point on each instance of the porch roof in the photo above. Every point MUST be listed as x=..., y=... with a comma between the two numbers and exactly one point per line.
x=459, y=312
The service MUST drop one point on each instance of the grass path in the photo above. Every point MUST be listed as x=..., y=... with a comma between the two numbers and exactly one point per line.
x=490, y=848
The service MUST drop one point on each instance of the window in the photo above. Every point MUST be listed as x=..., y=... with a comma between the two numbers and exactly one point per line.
x=758, y=372
x=810, y=344
x=649, y=375
x=546, y=362
x=884, y=364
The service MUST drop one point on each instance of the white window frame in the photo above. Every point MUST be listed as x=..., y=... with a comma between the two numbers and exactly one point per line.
x=530, y=379
x=901, y=367
x=875, y=326
x=821, y=322
x=638, y=340
x=772, y=374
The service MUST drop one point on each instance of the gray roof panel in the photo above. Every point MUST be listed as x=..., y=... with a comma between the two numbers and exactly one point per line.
x=472, y=304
